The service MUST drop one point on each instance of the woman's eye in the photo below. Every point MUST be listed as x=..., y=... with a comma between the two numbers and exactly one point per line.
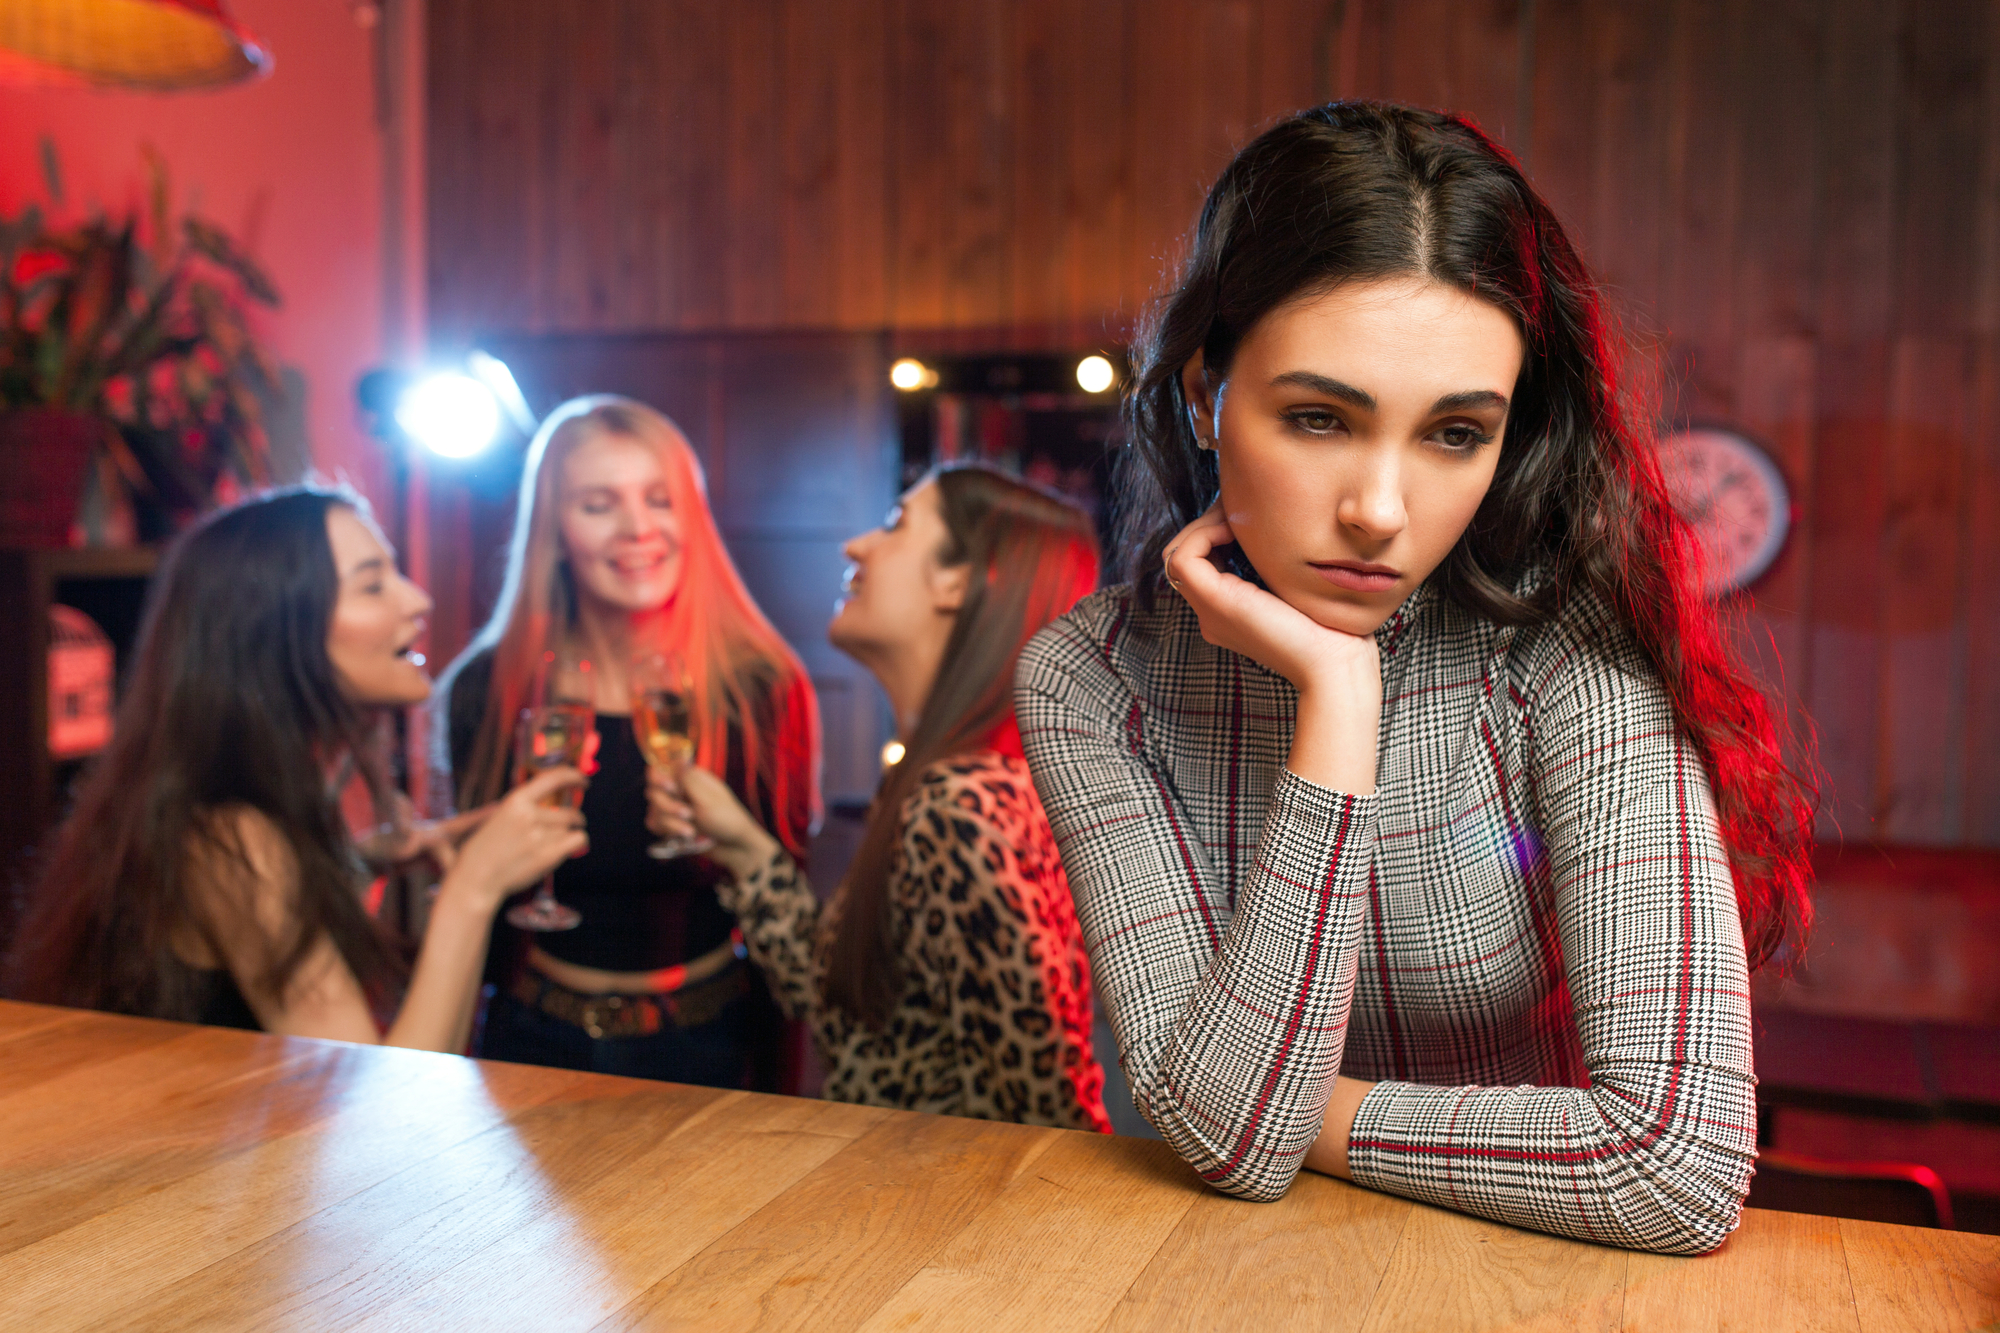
x=1313, y=421
x=1463, y=436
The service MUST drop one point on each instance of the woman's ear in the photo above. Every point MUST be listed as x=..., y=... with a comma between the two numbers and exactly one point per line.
x=948, y=587
x=1200, y=401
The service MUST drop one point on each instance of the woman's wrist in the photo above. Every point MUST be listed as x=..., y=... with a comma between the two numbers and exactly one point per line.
x=742, y=857
x=1335, y=734
x=468, y=891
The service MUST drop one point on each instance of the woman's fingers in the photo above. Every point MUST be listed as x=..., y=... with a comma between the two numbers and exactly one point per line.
x=548, y=783
x=1187, y=555
x=450, y=832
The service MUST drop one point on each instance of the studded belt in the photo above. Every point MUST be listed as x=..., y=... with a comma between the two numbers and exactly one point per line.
x=640, y=1015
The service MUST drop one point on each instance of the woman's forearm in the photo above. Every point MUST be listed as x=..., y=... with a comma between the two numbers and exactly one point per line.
x=779, y=915
x=437, y=1010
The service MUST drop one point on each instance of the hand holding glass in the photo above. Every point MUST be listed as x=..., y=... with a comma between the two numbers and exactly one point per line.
x=549, y=737
x=663, y=723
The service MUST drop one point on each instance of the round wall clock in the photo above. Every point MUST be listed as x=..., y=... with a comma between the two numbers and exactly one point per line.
x=1735, y=498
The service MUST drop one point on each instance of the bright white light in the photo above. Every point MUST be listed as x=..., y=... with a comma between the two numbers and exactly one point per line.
x=892, y=754
x=1095, y=374
x=493, y=373
x=910, y=374
x=451, y=415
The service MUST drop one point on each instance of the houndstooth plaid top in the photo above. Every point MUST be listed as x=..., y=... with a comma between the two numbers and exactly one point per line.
x=1528, y=932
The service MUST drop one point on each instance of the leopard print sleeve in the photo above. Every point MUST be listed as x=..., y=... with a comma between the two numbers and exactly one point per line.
x=780, y=918
x=992, y=936
x=994, y=1015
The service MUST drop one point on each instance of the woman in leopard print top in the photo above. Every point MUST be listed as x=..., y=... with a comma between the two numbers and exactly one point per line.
x=947, y=973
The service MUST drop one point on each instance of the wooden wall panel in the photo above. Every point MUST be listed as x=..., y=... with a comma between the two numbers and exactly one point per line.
x=1794, y=206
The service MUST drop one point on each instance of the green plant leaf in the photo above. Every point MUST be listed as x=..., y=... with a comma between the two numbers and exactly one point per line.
x=212, y=243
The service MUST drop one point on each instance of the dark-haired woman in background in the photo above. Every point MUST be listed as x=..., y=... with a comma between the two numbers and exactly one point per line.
x=947, y=974
x=206, y=873
x=1417, y=817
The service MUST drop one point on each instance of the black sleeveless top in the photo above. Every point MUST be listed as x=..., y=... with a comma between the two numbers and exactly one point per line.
x=225, y=1006
x=639, y=914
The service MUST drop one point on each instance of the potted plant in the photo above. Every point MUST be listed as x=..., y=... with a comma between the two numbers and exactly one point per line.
x=129, y=375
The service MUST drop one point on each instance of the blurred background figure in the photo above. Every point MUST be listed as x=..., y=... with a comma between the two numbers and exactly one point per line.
x=206, y=873
x=616, y=575
x=947, y=974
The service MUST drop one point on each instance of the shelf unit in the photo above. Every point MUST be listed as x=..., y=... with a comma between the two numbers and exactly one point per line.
x=109, y=586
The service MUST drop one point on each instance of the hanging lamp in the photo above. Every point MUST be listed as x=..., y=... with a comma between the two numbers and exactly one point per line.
x=144, y=45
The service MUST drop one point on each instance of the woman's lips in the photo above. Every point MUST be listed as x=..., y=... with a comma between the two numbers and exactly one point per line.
x=635, y=567
x=1358, y=577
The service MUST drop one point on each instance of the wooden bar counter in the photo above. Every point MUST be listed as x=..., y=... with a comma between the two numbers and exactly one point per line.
x=161, y=1176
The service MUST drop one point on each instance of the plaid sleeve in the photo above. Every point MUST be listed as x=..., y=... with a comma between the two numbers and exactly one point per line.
x=1656, y=1152
x=1230, y=1023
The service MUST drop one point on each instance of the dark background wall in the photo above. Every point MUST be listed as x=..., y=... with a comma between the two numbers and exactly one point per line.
x=1795, y=205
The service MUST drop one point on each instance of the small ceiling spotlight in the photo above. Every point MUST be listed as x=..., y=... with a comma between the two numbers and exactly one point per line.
x=892, y=754
x=452, y=415
x=910, y=375
x=1094, y=374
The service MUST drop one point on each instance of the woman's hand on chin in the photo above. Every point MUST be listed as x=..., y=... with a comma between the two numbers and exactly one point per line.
x=1242, y=617
x=695, y=801
x=1338, y=675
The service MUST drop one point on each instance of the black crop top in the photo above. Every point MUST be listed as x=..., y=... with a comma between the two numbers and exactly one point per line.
x=223, y=1005
x=638, y=913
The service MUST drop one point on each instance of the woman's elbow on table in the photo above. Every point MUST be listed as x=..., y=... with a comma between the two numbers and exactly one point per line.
x=1673, y=1223
x=1682, y=1193
x=1256, y=1172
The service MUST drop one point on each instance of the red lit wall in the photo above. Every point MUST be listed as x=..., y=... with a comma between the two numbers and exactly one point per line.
x=292, y=164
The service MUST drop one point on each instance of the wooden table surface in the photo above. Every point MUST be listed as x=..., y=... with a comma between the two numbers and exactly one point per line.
x=160, y=1176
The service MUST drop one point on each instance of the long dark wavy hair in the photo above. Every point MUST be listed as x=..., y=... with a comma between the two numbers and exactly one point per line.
x=1356, y=191
x=232, y=703
x=1032, y=556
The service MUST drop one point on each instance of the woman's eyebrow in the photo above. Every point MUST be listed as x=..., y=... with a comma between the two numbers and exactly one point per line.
x=370, y=565
x=1468, y=400
x=1327, y=385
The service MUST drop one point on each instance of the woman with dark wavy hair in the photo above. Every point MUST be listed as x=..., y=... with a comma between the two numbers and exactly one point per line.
x=206, y=873
x=947, y=974
x=1422, y=829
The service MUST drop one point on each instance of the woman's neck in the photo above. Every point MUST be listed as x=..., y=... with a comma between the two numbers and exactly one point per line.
x=608, y=636
x=906, y=672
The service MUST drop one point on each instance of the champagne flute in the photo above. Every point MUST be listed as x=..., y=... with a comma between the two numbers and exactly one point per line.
x=551, y=735
x=663, y=724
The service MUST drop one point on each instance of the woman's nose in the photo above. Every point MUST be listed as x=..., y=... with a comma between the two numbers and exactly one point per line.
x=1372, y=503
x=419, y=600
x=857, y=547
x=637, y=518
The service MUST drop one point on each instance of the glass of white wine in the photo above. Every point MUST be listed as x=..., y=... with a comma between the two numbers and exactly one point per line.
x=550, y=735
x=664, y=725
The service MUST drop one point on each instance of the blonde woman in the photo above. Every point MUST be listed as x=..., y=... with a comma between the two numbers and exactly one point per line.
x=615, y=556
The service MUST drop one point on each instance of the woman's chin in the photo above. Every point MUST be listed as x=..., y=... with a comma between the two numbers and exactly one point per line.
x=410, y=689
x=1354, y=613
x=633, y=599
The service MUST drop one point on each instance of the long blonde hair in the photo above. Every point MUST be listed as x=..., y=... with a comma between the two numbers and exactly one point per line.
x=748, y=683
